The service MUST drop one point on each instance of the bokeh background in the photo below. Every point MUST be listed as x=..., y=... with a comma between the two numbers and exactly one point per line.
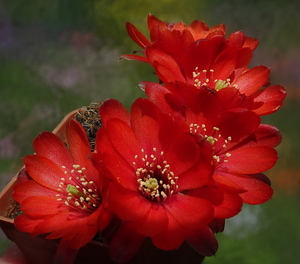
x=59, y=55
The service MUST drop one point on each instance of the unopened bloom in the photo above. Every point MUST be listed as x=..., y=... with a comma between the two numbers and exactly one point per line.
x=153, y=165
x=61, y=192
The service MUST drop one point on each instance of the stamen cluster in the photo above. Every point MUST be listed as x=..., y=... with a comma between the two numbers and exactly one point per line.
x=156, y=180
x=81, y=192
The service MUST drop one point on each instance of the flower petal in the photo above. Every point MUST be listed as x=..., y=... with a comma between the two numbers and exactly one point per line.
x=51, y=147
x=203, y=241
x=190, y=212
x=44, y=171
x=166, y=67
x=112, y=108
x=78, y=144
x=250, y=160
x=171, y=237
x=127, y=205
x=251, y=80
x=123, y=139
x=125, y=243
x=28, y=188
x=26, y=224
x=40, y=206
x=154, y=222
x=137, y=36
x=271, y=97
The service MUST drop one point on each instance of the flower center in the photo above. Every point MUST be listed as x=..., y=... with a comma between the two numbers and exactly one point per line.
x=77, y=192
x=218, y=142
x=206, y=78
x=156, y=180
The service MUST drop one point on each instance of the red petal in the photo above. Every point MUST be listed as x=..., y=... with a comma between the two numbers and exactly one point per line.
x=137, y=36
x=251, y=80
x=134, y=57
x=24, y=189
x=128, y=205
x=246, y=122
x=271, y=97
x=183, y=154
x=40, y=206
x=120, y=171
x=226, y=184
x=147, y=124
x=237, y=39
x=251, y=43
x=78, y=144
x=123, y=139
x=153, y=21
x=166, y=67
x=224, y=64
x=156, y=93
x=244, y=57
x=198, y=175
x=154, y=222
x=171, y=237
x=25, y=224
x=44, y=171
x=51, y=147
x=201, y=55
x=112, y=108
x=64, y=253
x=257, y=191
x=203, y=241
x=190, y=212
x=226, y=204
x=250, y=160
x=265, y=135
x=125, y=243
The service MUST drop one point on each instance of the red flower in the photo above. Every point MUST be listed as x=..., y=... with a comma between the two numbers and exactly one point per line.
x=203, y=57
x=242, y=147
x=174, y=39
x=244, y=92
x=206, y=65
x=63, y=192
x=153, y=165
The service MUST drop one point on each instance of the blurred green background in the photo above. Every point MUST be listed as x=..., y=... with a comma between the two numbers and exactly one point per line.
x=58, y=55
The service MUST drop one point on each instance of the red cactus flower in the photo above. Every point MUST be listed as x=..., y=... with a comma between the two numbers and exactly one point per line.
x=174, y=39
x=242, y=147
x=206, y=65
x=153, y=165
x=244, y=92
x=63, y=194
x=203, y=57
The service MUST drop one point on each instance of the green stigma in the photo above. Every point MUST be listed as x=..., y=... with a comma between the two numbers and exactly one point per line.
x=73, y=190
x=211, y=140
x=220, y=84
x=151, y=183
